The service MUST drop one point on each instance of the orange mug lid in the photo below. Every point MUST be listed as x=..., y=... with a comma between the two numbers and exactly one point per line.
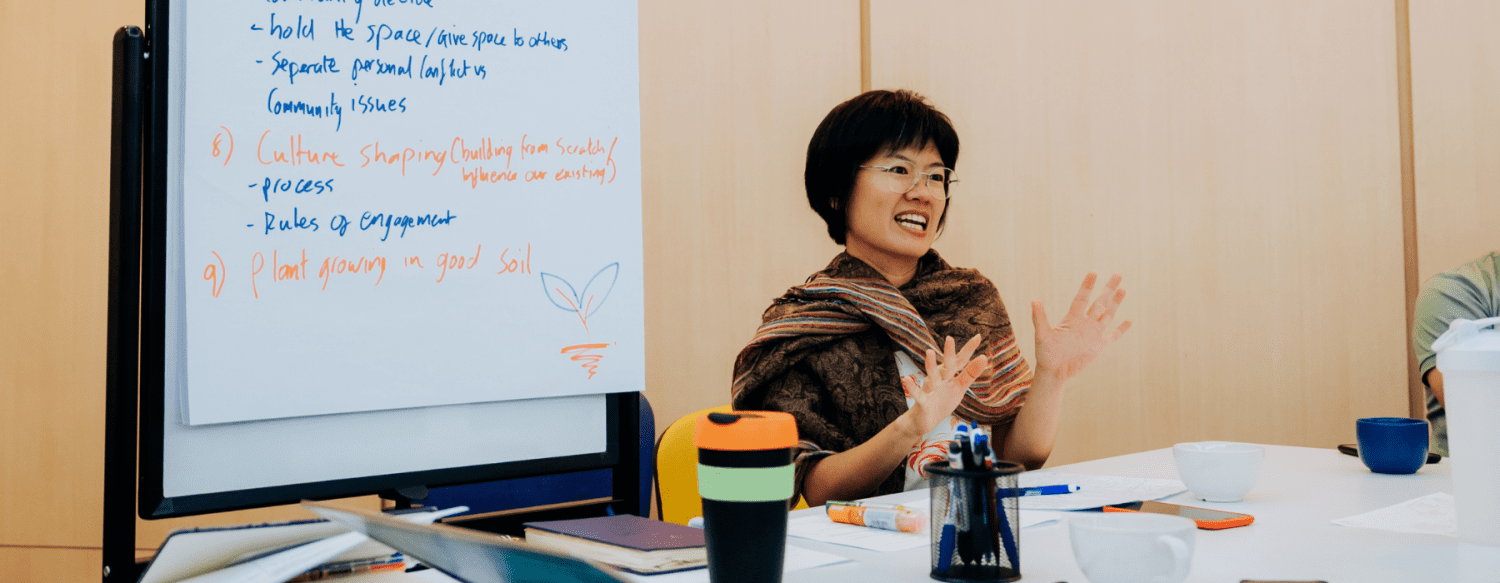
x=746, y=431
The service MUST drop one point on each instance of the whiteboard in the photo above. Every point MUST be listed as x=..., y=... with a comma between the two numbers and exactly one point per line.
x=391, y=204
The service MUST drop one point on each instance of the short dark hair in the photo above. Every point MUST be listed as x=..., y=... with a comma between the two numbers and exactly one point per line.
x=871, y=123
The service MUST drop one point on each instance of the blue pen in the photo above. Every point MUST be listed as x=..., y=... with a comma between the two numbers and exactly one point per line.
x=993, y=506
x=946, y=541
x=1039, y=490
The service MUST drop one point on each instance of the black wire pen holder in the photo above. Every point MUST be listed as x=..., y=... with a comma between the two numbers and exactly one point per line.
x=975, y=523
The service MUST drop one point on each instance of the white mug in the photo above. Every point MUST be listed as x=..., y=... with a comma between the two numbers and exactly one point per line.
x=1130, y=547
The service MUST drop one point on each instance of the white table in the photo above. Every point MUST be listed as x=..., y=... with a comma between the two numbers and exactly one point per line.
x=1300, y=491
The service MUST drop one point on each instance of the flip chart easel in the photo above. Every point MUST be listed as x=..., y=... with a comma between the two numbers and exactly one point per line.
x=361, y=261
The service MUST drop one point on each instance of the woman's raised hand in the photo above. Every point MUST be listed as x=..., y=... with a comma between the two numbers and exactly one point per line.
x=937, y=397
x=1064, y=350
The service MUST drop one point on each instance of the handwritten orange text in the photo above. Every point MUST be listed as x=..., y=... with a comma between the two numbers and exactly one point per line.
x=295, y=154
x=532, y=149
x=340, y=266
x=214, y=274
x=455, y=261
x=583, y=172
x=279, y=271
x=487, y=150
x=480, y=160
x=481, y=175
x=515, y=265
x=373, y=153
x=219, y=140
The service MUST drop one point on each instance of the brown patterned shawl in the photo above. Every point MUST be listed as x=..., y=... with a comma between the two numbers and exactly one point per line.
x=825, y=352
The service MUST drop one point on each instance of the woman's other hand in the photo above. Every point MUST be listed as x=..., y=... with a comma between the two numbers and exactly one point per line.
x=1064, y=350
x=939, y=394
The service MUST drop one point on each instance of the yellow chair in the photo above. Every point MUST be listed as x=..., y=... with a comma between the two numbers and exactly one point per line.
x=677, y=497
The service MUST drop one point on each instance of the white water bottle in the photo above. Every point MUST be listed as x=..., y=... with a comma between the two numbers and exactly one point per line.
x=1469, y=358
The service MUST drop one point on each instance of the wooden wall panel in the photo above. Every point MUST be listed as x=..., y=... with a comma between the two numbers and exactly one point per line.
x=1455, y=59
x=730, y=94
x=54, y=193
x=39, y=565
x=1238, y=163
x=54, y=185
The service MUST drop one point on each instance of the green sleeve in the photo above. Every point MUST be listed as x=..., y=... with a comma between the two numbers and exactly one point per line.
x=1467, y=291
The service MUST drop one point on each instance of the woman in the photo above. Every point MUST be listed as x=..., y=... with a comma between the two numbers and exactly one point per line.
x=841, y=352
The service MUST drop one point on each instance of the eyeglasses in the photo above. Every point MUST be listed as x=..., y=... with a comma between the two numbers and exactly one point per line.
x=902, y=178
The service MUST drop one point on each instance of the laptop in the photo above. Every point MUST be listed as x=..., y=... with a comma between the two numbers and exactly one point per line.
x=468, y=555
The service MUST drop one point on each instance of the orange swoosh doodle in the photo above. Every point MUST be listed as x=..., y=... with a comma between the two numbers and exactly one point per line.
x=590, y=361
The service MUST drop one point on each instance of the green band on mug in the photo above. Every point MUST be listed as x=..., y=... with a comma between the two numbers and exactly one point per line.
x=745, y=484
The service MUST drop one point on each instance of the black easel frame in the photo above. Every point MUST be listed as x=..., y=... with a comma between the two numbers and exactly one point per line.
x=124, y=308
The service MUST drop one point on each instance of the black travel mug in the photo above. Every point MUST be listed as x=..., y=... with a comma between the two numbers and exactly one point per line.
x=745, y=479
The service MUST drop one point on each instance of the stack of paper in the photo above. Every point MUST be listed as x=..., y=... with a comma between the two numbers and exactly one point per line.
x=1430, y=514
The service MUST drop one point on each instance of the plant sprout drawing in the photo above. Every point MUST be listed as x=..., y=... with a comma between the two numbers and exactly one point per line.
x=584, y=303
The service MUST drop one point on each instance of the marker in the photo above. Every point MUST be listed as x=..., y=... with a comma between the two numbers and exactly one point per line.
x=982, y=452
x=993, y=459
x=864, y=504
x=900, y=520
x=966, y=452
x=1039, y=490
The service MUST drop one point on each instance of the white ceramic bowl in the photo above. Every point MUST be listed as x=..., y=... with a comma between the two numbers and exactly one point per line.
x=1219, y=471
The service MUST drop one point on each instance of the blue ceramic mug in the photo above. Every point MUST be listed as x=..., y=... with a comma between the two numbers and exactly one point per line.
x=1392, y=445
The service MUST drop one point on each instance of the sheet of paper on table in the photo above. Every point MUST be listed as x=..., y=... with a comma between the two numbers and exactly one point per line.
x=1094, y=491
x=1430, y=514
x=819, y=528
x=797, y=559
x=1029, y=518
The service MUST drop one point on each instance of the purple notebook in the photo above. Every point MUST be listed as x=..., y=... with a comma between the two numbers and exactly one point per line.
x=632, y=543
